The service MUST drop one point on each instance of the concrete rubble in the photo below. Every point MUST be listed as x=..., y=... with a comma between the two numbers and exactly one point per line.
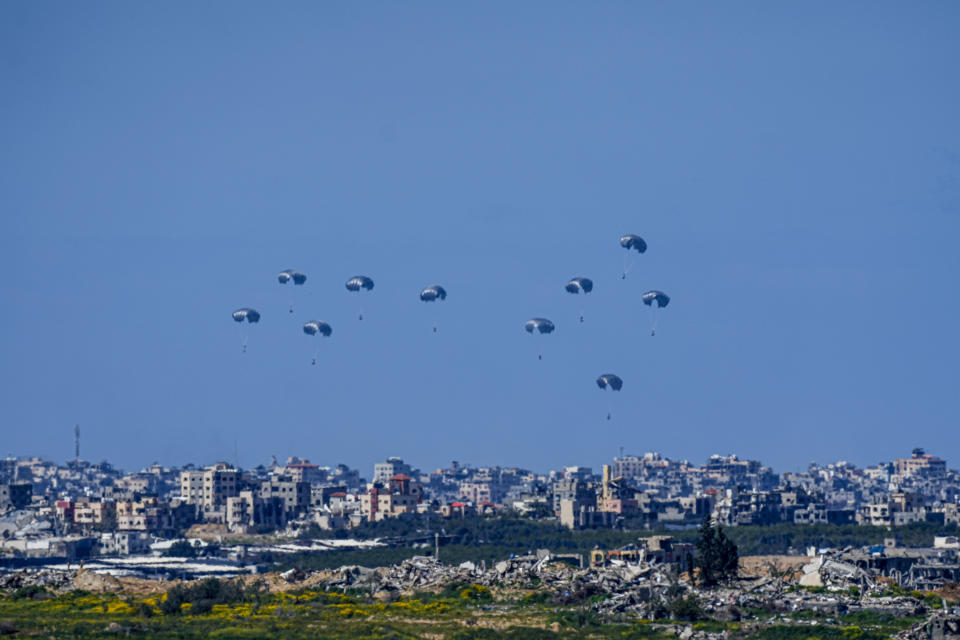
x=53, y=580
x=644, y=590
x=632, y=588
x=825, y=571
x=940, y=626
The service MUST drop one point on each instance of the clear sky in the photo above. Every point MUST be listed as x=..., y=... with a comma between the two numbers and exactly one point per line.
x=794, y=168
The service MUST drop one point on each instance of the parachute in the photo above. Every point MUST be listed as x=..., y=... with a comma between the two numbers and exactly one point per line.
x=610, y=380
x=541, y=325
x=435, y=292
x=661, y=299
x=432, y=293
x=314, y=327
x=538, y=325
x=251, y=316
x=357, y=283
x=580, y=285
x=631, y=242
x=287, y=275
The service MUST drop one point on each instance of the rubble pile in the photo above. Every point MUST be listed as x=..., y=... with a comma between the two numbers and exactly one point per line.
x=53, y=580
x=630, y=584
x=825, y=571
x=937, y=627
x=687, y=632
x=419, y=572
x=642, y=590
x=898, y=607
x=635, y=589
x=645, y=590
x=96, y=582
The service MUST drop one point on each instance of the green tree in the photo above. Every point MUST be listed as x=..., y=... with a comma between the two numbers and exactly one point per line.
x=685, y=608
x=717, y=555
x=707, y=552
x=729, y=556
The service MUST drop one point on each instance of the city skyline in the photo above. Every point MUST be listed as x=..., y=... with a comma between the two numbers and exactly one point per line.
x=463, y=463
x=639, y=491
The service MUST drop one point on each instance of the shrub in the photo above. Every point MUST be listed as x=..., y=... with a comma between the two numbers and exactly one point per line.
x=541, y=597
x=686, y=608
x=31, y=592
x=201, y=596
x=579, y=618
x=476, y=593
x=181, y=549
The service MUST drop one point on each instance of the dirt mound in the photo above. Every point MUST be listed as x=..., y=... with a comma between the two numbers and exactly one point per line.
x=97, y=582
x=277, y=582
x=773, y=566
x=145, y=587
x=950, y=592
x=207, y=532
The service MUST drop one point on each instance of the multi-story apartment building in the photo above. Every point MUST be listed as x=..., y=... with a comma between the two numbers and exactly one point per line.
x=147, y=514
x=220, y=482
x=583, y=493
x=294, y=494
x=383, y=471
x=136, y=483
x=477, y=492
x=15, y=496
x=305, y=471
x=400, y=496
x=191, y=486
x=94, y=512
x=920, y=464
x=250, y=509
x=208, y=489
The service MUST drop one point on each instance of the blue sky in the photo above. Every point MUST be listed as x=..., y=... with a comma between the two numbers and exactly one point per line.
x=794, y=168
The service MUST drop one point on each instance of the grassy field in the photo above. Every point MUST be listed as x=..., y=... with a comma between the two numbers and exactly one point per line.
x=216, y=609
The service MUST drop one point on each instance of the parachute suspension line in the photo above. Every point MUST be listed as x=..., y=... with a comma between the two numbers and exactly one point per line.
x=627, y=265
x=653, y=321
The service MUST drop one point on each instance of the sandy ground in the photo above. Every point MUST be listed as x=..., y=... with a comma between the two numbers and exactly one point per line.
x=790, y=567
